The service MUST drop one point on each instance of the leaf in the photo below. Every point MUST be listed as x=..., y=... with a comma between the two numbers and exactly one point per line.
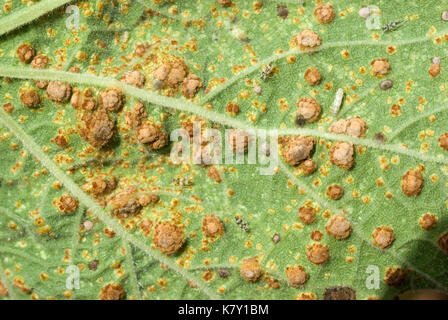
x=227, y=48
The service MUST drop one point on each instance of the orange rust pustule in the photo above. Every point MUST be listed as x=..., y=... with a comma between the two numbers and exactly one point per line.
x=168, y=237
x=112, y=291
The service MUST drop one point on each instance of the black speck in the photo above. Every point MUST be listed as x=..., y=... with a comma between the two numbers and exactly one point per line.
x=380, y=138
x=282, y=12
x=224, y=273
x=300, y=121
x=93, y=265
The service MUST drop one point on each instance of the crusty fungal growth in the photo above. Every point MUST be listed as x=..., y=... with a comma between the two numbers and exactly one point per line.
x=67, y=204
x=383, y=237
x=135, y=117
x=338, y=227
x=134, y=78
x=334, y=192
x=339, y=293
x=309, y=109
x=111, y=99
x=125, y=203
x=380, y=67
x=308, y=40
x=3, y=290
x=191, y=85
x=317, y=253
x=298, y=149
x=213, y=173
x=307, y=215
x=428, y=221
x=212, y=226
x=324, y=13
x=225, y=3
x=412, y=183
x=395, y=276
x=58, y=91
x=238, y=140
x=112, y=291
x=97, y=129
x=25, y=52
x=152, y=135
x=171, y=74
x=342, y=155
x=355, y=127
x=297, y=276
x=168, y=237
x=250, y=269
x=443, y=141
x=61, y=140
x=443, y=242
x=312, y=76
x=39, y=62
x=308, y=166
x=100, y=186
x=41, y=84
x=83, y=100
x=434, y=70
x=148, y=199
x=30, y=98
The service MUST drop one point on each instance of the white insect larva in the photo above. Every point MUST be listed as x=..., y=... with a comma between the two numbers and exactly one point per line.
x=338, y=101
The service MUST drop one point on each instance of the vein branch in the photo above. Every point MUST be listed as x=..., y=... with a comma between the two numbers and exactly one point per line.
x=95, y=208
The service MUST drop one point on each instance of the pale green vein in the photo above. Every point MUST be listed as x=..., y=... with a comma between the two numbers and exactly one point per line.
x=94, y=207
x=131, y=270
x=187, y=106
x=28, y=14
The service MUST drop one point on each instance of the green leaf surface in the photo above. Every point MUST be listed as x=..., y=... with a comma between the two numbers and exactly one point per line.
x=227, y=48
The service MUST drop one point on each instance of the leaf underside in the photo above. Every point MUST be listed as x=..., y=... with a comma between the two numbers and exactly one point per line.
x=227, y=48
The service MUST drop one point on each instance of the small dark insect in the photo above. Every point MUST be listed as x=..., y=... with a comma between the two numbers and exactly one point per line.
x=282, y=12
x=242, y=224
x=276, y=238
x=392, y=26
x=224, y=273
x=267, y=71
x=300, y=121
x=380, y=138
x=93, y=265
